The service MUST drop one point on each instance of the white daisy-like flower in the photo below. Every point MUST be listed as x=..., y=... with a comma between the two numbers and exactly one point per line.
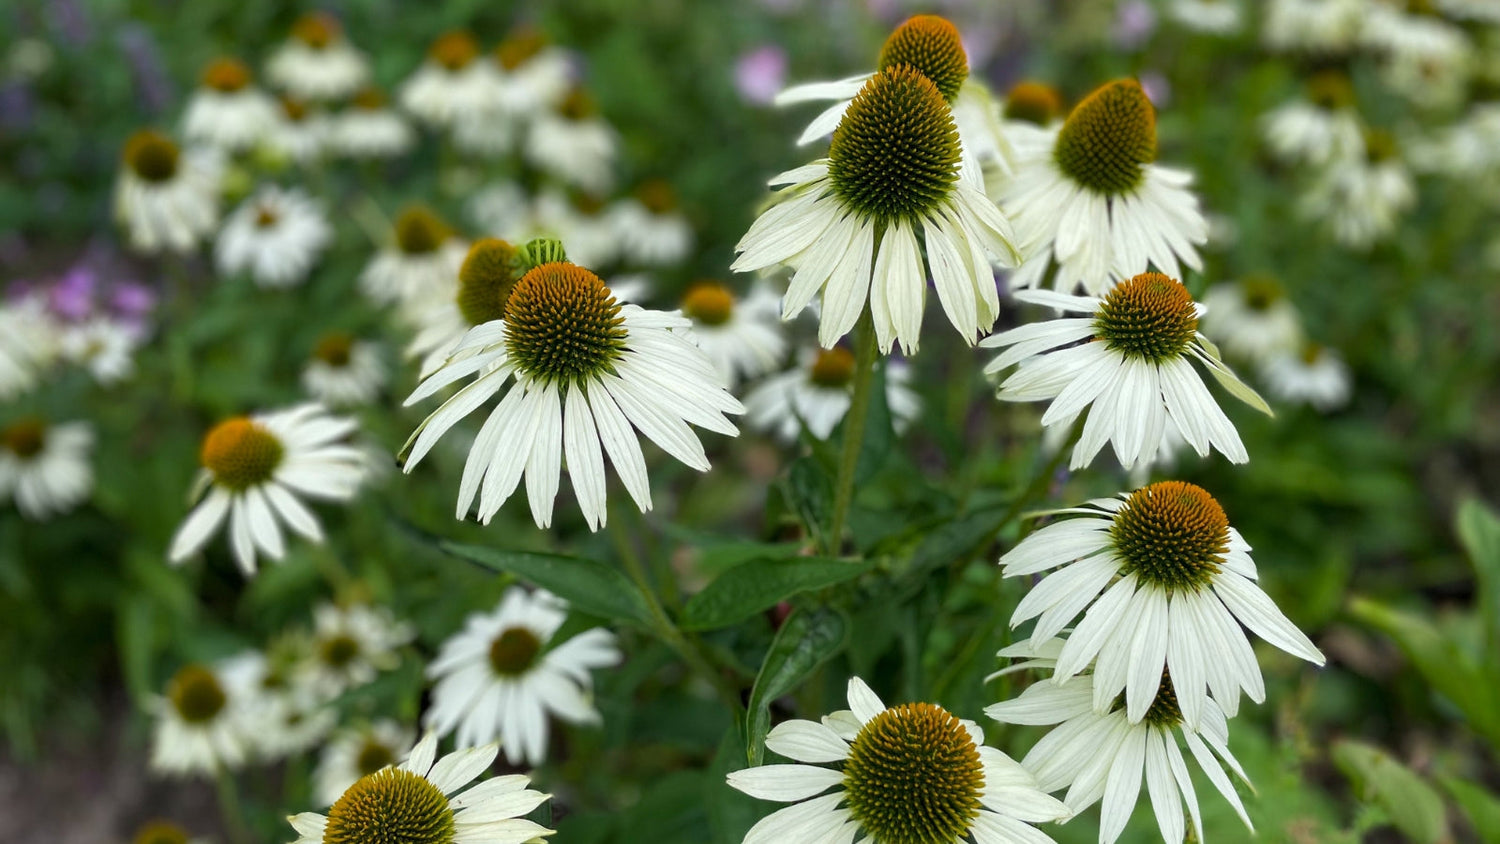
x=355, y=753
x=1424, y=58
x=573, y=144
x=1312, y=374
x=104, y=347
x=280, y=716
x=419, y=802
x=28, y=344
x=1134, y=381
x=227, y=110
x=502, y=209
x=743, y=337
x=1361, y=200
x=453, y=80
x=534, y=76
x=818, y=393
x=167, y=199
x=1163, y=582
x=913, y=772
x=485, y=279
x=1483, y=11
x=1319, y=129
x=256, y=468
x=317, y=62
x=1106, y=755
x=506, y=211
x=1096, y=205
x=1215, y=17
x=369, y=128
x=893, y=167
x=276, y=236
x=1030, y=119
x=345, y=372
x=301, y=133
x=502, y=677
x=201, y=723
x=351, y=645
x=1314, y=26
x=651, y=231
x=421, y=263
x=586, y=369
x=47, y=469
x=1251, y=319
x=1469, y=148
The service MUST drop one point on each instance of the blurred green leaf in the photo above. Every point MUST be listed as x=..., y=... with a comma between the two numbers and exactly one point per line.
x=1413, y=806
x=589, y=585
x=759, y=585
x=731, y=813
x=810, y=493
x=805, y=641
x=1480, y=806
x=1479, y=530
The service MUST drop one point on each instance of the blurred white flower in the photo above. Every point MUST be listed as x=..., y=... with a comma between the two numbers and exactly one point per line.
x=1251, y=319
x=28, y=343
x=47, y=469
x=357, y=752
x=651, y=231
x=818, y=393
x=742, y=337
x=1215, y=17
x=344, y=372
x=534, y=76
x=1312, y=374
x=485, y=280
x=280, y=715
x=573, y=144
x=201, y=723
x=227, y=110
x=351, y=645
x=1319, y=129
x=1313, y=26
x=419, y=265
x=103, y=346
x=454, y=79
x=301, y=133
x=369, y=128
x=166, y=198
x=502, y=677
x=276, y=236
x=1424, y=58
x=1361, y=199
x=317, y=62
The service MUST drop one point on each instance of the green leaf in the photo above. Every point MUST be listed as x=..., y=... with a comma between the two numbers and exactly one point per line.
x=1480, y=806
x=590, y=586
x=760, y=584
x=1413, y=806
x=1231, y=382
x=811, y=495
x=1479, y=530
x=730, y=813
x=802, y=644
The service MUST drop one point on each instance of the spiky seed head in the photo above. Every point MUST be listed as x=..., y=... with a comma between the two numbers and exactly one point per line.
x=1033, y=102
x=420, y=231
x=454, y=50
x=226, y=75
x=1149, y=317
x=914, y=776
x=390, y=806
x=334, y=348
x=241, y=453
x=1171, y=534
x=657, y=195
x=372, y=756
x=563, y=326
x=1330, y=90
x=1107, y=138
x=160, y=832
x=196, y=694
x=833, y=368
x=709, y=303
x=932, y=45
x=25, y=437
x=1261, y=291
x=369, y=98
x=519, y=46
x=317, y=29
x=578, y=105
x=485, y=280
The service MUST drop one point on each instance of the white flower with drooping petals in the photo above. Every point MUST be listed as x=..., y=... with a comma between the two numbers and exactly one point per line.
x=1312, y=374
x=301, y=133
x=573, y=144
x=227, y=110
x=355, y=753
x=277, y=236
x=485, y=280
x=819, y=392
x=1251, y=319
x=455, y=79
x=166, y=198
x=317, y=62
x=351, y=645
x=345, y=372
x=744, y=338
x=202, y=724
x=28, y=344
x=650, y=229
x=1360, y=200
x=369, y=128
x=1314, y=26
x=104, y=347
x=533, y=75
x=47, y=469
x=1320, y=129
x=419, y=266
x=1215, y=17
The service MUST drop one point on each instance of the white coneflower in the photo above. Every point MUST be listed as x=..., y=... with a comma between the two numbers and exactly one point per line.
x=1468, y=148
x=47, y=469
x=1252, y=318
x=369, y=128
x=227, y=110
x=586, y=369
x=931, y=46
x=573, y=144
x=1031, y=117
x=1162, y=581
x=344, y=372
x=913, y=772
x=276, y=236
x=317, y=62
x=1215, y=17
x=1134, y=381
x=854, y=224
x=485, y=280
x=355, y=753
x=1360, y=200
x=1312, y=374
x=419, y=265
x=301, y=132
x=256, y=468
x=280, y=716
x=818, y=393
x=1423, y=58
x=534, y=75
x=505, y=210
x=743, y=337
x=166, y=199
x=453, y=80
x=1096, y=204
x=350, y=645
x=1323, y=127
x=1315, y=26
x=502, y=677
x=1106, y=755
x=418, y=802
x=651, y=231
x=201, y=725
x=105, y=347
x=28, y=343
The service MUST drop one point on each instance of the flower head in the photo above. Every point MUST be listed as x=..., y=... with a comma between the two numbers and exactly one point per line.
x=46, y=468
x=165, y=198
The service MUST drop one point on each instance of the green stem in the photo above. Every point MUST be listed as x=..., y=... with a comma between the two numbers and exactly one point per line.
x=229, y=806
x=854, y=431
x=1043, y=479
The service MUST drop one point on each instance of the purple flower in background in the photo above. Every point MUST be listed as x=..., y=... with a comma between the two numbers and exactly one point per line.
x=17, y=105
x=72, y=297
x=145, y=62
x=71, y=20
x=760, y=74
x=131, y=299
x=1158, y=89
x=1134, y=23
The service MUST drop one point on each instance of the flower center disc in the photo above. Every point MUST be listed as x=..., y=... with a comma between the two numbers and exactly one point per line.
x=1150, y=317
x=1033, y=102
x=372, y=757
x=833, y=368
x=419, y=231
x=1261, y=291
x=152, y=156
x=241, y=453
x=562, y=324
x=914, y=777
x=895, y=153
x=1164, y=711
x=390, y=806
x=317, y=29
x=578, y=105
x=369, y=98
x=931, y=45
x=1108, y=137
x=338, y=651
x=226, y=75
x=657, y=195
x=160, y=832
x=265, y=217
x=485, y=280
x=514, y=651
x=196, y=694
x=520, y=45
x=1171, y=534
x=709, y=303
x=334, y=349
x=25, y=438
x=454, y=50
x=293, y=110
x=1330, y=90
x=1380, y=146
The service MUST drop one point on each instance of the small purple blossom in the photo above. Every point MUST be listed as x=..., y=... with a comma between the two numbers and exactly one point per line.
x=1134, y=23
x=760, y=74
x=72, y=296
x=1158, y=89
